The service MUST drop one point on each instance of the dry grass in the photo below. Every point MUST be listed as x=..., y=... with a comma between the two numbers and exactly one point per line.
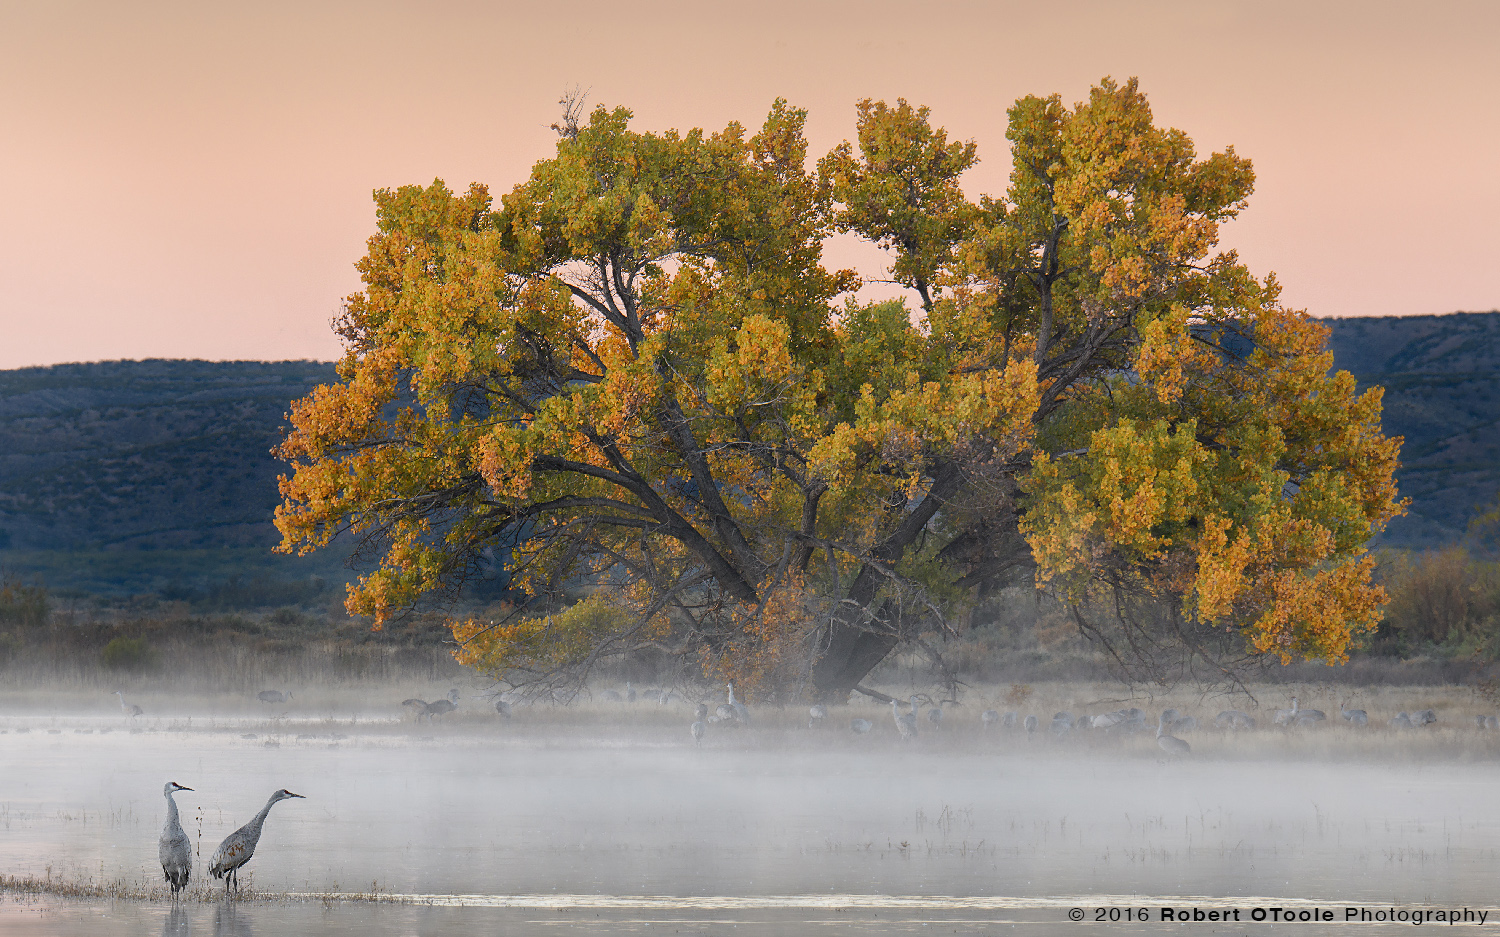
x=120, y=890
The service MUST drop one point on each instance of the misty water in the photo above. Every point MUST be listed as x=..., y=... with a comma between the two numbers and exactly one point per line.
x=612, y=820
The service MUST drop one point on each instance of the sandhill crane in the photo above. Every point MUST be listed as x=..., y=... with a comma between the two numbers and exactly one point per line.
x=1423, y=717
x=273, y=696
x=174, y=849
x=815, y=715
x=935, y=716
x=238, y=847
x=697, y=729
x=1062, y=724
x=1400, y=721
x=629, y=692
x=1031, y=723
x=1169, y=743
x=129, y=709
x=440, y=707
x=1297, y=716
x=610, y=696
x=741, y=711
x=1234, y=719
x=1109, y=720
x=1486, y=722
x=1009, y=719
x=701, y=712
x=860, y=726
x=1356, y=717
x=417, y=707
x=906, y=722
x=988, y=718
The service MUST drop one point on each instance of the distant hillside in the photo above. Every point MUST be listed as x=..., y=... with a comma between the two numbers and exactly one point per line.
x=156, y=476
x=147, y=475
x=1442, y=393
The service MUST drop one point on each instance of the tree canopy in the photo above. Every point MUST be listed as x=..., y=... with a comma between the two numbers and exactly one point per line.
x=633, y=387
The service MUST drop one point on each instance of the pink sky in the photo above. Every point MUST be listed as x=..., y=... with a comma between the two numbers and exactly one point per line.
x=193, y=180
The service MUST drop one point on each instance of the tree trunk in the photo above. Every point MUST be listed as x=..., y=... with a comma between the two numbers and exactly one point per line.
x=853, y=651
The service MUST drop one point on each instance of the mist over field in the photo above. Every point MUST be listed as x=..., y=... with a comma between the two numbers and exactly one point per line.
x=561, y=813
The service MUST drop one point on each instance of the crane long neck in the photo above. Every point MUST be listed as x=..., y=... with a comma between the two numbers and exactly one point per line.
x=172, y=819
x=253, y=827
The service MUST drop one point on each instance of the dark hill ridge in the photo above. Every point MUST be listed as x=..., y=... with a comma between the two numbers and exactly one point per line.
x=137, y=476
x=1442, y=381
x=133, y=476
x=144, y=454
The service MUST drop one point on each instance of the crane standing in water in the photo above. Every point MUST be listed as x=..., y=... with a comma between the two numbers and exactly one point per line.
x=239, y=846
x=174, y=849
x=129, y=709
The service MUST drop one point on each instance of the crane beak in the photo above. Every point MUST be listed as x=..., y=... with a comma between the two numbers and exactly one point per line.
x=290, y=794
x=181, y=788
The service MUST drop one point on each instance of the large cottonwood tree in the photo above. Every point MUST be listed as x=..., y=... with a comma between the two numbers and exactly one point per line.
x=633, y=386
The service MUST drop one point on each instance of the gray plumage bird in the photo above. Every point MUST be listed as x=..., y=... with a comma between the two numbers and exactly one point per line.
x=1356, y=717
x=906, y=722
x=701, y=711
x=1031, y=724
x=273, y=696
x=1062, y=724
x=860, y=726
x=1423, y=717
x=697, y=729
x=935, y=716
x=815, y=715
x=629, y=692
x=1234, y=719
x=175, y=851
x=1170, y=743
x=988, y=718
x=1009, y=719
x=1400, y=721
x=129, y=709
x=238, y=847
x=503, y=708
x=1297, y=716
x=1108, y=720
x=741, y=711
x=417, y=707
x=440, y=707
